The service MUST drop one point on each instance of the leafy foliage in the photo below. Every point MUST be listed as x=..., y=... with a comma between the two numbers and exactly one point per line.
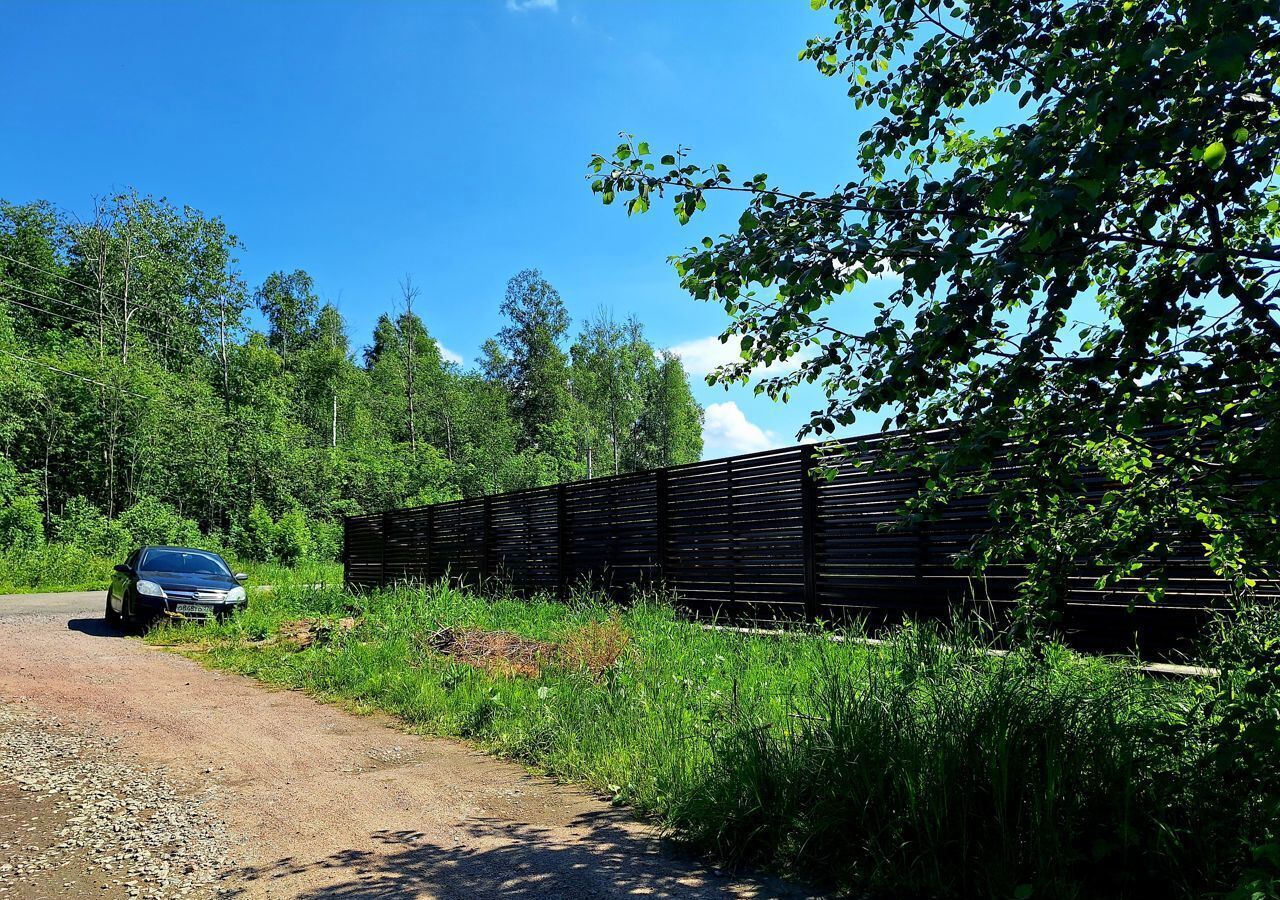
x=1067, y=218
x=139, y=403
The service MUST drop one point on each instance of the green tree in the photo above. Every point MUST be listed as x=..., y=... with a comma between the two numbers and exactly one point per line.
x=534, y=364
x=612, y=367
x=132, y=394
x=669, y=431
x=326, y=374
x=289, y=302
x=1070, y=215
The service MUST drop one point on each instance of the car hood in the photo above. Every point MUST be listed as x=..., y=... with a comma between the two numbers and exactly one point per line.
x=178, y=581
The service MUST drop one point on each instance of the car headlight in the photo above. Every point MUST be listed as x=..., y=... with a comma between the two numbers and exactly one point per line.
x=236, y=595
x=150, y=589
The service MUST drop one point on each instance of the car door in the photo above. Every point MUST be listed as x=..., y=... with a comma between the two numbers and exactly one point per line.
x=120, y=583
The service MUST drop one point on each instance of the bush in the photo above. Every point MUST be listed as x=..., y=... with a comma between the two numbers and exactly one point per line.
x=326, y=540
x=151, y=521
x=21, y=523
x=255, y=538
x=83, y=524
x=292, y=537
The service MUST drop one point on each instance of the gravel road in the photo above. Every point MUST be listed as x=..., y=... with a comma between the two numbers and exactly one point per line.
x=131, y=772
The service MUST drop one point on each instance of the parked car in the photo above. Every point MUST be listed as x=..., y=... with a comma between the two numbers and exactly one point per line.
x=177, y=581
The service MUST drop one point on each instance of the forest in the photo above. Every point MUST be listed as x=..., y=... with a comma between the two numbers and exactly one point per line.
x=142, y=400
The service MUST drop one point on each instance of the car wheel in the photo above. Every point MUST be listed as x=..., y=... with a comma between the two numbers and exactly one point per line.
x=128, y=619
x=112, y=617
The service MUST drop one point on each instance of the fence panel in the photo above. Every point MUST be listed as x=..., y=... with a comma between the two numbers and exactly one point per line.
x=523, y=540
x=611, y=533
x=755, y=538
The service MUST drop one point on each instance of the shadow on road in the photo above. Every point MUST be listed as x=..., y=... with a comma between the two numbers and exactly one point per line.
x=515, y=861
x=98, y=627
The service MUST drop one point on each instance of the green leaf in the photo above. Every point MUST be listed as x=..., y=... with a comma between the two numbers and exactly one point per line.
x=1215, y=154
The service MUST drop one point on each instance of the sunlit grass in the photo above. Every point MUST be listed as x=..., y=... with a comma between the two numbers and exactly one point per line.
x=66, y=567
x=923, y=764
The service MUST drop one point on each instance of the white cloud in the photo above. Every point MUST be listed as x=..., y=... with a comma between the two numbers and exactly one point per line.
x=448, y=355
x=705, y=355
x=528, y=5
x=726, y=431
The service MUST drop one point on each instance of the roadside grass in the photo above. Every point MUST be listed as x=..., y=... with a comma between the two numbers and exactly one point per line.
x=921, y=766
x=53, y=567
x=57, y=566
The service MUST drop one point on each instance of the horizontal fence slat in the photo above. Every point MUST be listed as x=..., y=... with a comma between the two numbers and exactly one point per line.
x=753, y=538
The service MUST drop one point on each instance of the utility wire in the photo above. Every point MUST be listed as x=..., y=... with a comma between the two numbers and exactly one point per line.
x=77, y=307
x=49, y=312
x=36, y=362
x=88, y=287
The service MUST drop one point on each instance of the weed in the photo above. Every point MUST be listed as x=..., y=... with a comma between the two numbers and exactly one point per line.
x=923, y=765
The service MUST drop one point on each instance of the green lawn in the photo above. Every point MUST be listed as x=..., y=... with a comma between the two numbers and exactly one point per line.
x=921, y=765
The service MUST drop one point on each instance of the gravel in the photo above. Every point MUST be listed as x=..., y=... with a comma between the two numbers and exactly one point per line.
x=123, y=827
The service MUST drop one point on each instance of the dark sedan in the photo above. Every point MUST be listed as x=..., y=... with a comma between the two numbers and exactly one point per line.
x=177, y=581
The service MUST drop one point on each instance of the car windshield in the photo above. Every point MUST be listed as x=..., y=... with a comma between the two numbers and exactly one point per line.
x=186, y=562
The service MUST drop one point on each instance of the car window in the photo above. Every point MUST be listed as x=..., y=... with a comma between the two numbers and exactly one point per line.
x=185, y=562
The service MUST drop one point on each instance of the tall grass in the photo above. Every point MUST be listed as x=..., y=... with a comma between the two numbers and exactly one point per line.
x=921, y=766
x=58, y=566
x=53, y=567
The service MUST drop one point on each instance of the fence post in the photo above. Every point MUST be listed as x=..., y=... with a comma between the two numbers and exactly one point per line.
x=346, y=555
x=660, y=519
x=485, y=541
x=386, y=538
x=733, y=535
x=809, y=531
x=562, y=545
x=431, y=537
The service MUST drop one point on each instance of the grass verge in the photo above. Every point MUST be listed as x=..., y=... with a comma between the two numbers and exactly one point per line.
x=59, y=566
x=920, y=767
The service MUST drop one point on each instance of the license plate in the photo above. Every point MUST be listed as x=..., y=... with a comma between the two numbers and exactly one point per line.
x=192, y=609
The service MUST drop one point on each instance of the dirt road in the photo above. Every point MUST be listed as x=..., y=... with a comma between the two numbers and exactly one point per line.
x=319, y=803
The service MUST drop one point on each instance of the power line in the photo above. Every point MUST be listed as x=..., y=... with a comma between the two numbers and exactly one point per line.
x=60, y=277
x=36, y=362
x=75, y=306
x=48, y=312
x=88, y=287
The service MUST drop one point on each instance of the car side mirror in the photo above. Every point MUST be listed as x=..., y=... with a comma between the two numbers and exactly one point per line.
x=122, y=569
x=240, y=577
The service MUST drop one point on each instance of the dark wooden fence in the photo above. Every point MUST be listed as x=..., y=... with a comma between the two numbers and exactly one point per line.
x=749, y=538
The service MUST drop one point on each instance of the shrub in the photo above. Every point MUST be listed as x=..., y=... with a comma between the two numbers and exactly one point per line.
x=596, y=647
x=255, y=539
x=21, y=523
x=326, y=540
x=83, y=524
x=152, y=521
x=292, y=537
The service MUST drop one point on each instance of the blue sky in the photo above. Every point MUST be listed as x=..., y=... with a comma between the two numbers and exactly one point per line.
x=364, y=141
